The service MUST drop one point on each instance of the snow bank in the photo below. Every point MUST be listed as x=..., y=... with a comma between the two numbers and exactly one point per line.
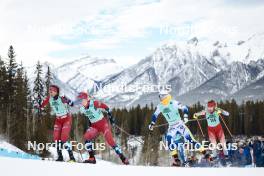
x=8, y=146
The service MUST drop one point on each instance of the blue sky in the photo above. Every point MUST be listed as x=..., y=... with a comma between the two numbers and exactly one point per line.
x=59, y=31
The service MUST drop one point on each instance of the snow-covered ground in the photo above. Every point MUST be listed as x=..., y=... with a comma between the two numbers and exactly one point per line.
x=11, y=166
x=9, y=147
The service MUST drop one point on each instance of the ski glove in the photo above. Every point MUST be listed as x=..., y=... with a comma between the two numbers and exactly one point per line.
x=185, y=118
x=151, y=125
x=220, y=111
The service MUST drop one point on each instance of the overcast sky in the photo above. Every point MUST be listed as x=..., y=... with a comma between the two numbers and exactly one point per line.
x=58, y=31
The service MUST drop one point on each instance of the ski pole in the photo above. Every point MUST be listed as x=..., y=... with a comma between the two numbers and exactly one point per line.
x=226, y=126
x=164, y=124
x=200, y=127
x=128, y=134
x=80, y=154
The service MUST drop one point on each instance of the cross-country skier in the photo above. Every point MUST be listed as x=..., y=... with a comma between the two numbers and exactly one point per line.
x=92, y=109
x=62, y=127
x=215, y=131
x=170, y=110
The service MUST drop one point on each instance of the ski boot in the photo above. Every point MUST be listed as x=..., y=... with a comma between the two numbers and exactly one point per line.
x=72, y=159
x=60, y=157
x=176, y=161
x=91, y=159
x=123, y=159
x=69, y=149
x=121, y=155
x=186, y=164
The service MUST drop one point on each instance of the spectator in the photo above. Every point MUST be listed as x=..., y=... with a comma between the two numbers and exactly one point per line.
x=257, y=153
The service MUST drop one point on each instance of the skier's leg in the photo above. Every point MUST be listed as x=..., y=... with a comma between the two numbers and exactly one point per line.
x=66, y=128
x=89, y=135
x=65, y=133
x=189, y=137
x=221, y=137
x=180, y=147
x=57, y=130
x=57, y=138
x=59, y=151
x=106, y=130
x=89, y=148
x=171, y=134
x=212, y=139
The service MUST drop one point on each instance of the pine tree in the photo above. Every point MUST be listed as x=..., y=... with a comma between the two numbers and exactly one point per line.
x=47, y=120
x=3, y=96
x=38, y=96
x=11, y=73
x=48, y=81
x=21, y=109
x=29, y=108
x=38, y=90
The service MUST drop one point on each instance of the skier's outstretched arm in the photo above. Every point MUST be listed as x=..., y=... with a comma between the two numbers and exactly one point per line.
x=223, y=112
x=154, y=118
x=106, y=108
x=198, y=114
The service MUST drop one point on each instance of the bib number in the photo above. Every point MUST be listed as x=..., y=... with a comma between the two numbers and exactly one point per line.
x=212, y=119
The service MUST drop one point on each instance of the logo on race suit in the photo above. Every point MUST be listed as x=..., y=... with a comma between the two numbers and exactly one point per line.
x=55, y=104
x=166, y=110
x=212, y=118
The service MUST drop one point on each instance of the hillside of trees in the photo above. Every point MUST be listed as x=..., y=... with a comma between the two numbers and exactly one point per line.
x=19, y=122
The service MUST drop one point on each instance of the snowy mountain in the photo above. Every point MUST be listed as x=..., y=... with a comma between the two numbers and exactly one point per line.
x=195, y=70
x=244, y=50
x=82, y=73
x=180, y=67
x=253, y=91
x=78, y=75
x=226, y=83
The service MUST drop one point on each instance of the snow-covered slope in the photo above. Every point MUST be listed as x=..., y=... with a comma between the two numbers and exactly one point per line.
x=37, y=167
x=11, y=151
x=8, y=146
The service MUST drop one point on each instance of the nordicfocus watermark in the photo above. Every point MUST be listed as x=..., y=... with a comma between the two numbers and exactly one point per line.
x=68, y=145
x=145, y=88
x=205, y=145
x=189, y=29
